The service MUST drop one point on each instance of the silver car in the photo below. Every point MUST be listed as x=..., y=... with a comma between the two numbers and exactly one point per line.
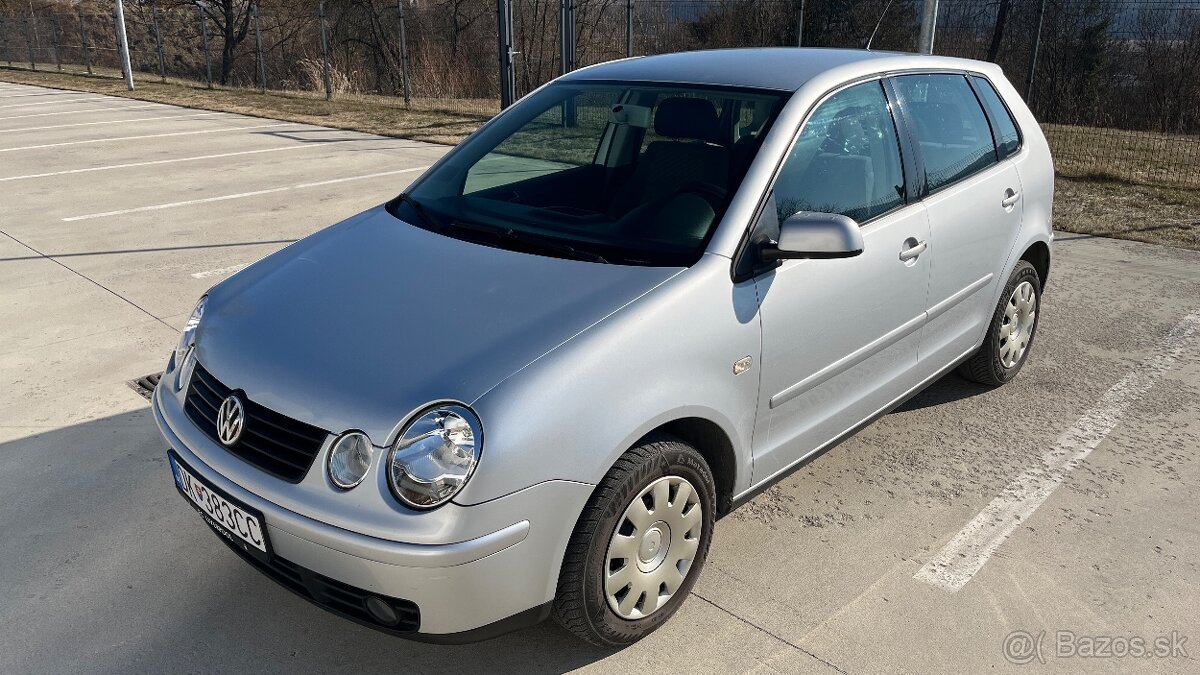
x=530, y=385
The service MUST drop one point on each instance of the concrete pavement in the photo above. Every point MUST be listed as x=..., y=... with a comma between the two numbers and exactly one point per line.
x=116, y=215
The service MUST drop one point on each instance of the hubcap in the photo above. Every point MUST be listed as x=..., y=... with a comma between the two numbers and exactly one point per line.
x=652, y=549
x=1017, y=329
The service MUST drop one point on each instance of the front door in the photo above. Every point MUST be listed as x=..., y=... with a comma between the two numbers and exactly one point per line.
x=840, y=337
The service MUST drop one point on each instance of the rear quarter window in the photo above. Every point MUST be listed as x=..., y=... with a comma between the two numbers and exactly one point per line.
x=1008, y=138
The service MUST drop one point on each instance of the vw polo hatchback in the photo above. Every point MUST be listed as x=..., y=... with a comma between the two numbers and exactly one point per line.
x=530, y=384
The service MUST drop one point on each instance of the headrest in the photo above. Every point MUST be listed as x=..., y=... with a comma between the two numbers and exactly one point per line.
x=694, y=118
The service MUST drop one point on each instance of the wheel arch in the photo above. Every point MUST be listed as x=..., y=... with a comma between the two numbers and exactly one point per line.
x=711, y=441
x=1038, y=255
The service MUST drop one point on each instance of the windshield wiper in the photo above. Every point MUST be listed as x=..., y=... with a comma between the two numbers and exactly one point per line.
x=545, y=243
x=426, y=219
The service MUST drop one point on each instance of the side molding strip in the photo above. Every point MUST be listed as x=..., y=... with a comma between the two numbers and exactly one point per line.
x=849, y=361
x=945, y=305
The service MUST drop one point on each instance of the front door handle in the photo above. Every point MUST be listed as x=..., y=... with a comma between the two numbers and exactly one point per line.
x=913, y=250
x=1010, y=198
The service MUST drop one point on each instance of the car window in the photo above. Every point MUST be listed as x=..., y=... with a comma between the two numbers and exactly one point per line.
x=1008, y=139
x=563, y=137
x=846, y=160
x=636, y=173
x=955, y=138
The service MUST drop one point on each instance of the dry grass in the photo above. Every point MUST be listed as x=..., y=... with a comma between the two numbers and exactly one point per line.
x=1097, y=196
x=1120, y=154
x=1109, y=208
x=434, y=121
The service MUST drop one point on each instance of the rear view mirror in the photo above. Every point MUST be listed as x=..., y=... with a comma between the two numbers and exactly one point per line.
x=809, y=234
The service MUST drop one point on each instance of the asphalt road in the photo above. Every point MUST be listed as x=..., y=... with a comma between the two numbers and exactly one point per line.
x=115, y=215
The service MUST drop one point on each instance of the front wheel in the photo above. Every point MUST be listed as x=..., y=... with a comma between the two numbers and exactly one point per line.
x=1010, y=334
x=639, y=544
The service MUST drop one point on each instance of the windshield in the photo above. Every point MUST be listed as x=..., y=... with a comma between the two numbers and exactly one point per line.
x=623, y=173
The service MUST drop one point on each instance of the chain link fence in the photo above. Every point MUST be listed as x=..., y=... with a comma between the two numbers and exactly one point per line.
x=1116, y=83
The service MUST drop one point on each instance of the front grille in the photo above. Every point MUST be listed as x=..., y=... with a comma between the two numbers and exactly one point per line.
x=275, y=443
x=341, y=599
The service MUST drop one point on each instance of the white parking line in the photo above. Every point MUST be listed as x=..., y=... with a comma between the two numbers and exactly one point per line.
x=138, y=138
x=220, y=271
x=239, y=195
x=171, y=161
x=970, y=549
x=61, y=100
x=80, y=112
x=36, y=93
x=138, y=119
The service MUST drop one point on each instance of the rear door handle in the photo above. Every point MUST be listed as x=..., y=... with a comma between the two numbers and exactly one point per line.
x=913, y=251
x=1010, y=198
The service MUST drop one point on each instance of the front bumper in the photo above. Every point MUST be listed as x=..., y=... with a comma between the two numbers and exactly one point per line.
x=465, y=590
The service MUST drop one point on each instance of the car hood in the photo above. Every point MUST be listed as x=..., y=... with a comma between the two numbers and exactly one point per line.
x=362, y=323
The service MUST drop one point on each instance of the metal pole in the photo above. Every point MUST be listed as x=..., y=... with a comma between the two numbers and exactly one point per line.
x=800, y=26
x=403, y=55
x=1033, y=56
x=54, y=42
x=29, y=43
x=324, y=52
x=628, y=28
x=162, y=62
x=123, y=44
x=204, y=39
x=262, y=67
x=928, y=26
x=87, y=52
x=508, y=80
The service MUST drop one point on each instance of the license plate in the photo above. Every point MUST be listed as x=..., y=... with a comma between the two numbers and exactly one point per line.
x=242, y=525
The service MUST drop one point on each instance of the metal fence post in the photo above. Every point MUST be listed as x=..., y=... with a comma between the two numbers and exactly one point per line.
x=628, y=28
x=162, y=62
x=324, y=52
x=54, y=42
x=403, y=55
x=566, y=35
x=800, y=26
x=928, y=26
x=262, y=68
x=1033, y=55
x=204, y=41
x=83, y=42
x=29, y=43
x=508, y=80
x=123, y=43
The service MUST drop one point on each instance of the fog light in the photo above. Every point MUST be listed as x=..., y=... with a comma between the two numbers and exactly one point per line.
x=349, y=459
x=382, y=611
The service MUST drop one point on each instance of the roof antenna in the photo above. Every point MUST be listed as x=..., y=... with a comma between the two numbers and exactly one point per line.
x=880, y=23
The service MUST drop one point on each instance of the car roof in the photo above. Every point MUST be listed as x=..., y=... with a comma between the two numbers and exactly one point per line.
x=780, y=68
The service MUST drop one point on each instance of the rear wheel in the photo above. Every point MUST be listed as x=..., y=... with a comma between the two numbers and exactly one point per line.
x=1010, y=335
x=639, y=544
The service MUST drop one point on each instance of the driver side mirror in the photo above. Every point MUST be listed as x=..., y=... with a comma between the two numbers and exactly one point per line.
x=809, y=234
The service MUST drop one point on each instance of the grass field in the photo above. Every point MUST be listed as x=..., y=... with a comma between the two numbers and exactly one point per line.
x=1110, y=183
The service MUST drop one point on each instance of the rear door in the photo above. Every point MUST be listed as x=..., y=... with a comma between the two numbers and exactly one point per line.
x=973, y=198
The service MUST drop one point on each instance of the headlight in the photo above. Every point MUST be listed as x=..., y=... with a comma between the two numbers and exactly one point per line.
x=349, y=459
x=188, y=339
x=184, y=358
x=435, y=455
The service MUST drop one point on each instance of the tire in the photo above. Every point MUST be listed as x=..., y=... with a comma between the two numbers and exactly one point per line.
x=582, y=604
x=995, y=364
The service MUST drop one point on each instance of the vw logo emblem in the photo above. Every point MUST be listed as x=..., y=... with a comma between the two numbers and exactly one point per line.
x=231, y=419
